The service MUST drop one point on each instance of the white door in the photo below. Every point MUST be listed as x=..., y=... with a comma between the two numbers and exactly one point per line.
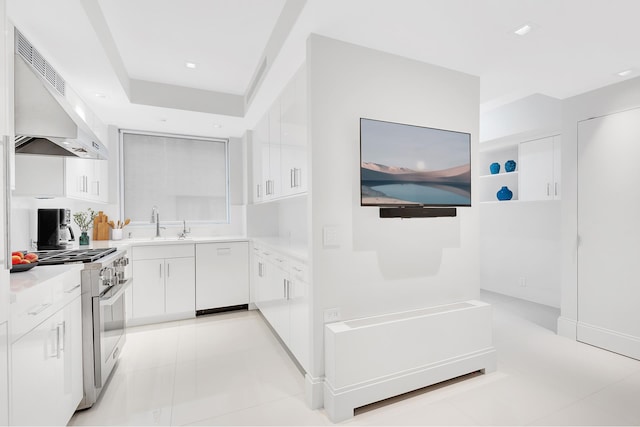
x=609, y=232
x=180, y=285
x=148, y=288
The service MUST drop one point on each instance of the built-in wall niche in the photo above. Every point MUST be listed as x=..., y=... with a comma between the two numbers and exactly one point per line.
x=491, y=183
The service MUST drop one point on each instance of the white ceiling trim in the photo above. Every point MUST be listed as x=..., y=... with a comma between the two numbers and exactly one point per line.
x=156, y=94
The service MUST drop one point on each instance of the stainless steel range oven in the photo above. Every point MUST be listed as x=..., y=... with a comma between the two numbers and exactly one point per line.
x=105, y=278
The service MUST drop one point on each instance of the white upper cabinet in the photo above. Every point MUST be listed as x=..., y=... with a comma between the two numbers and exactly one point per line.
x=294, y=136
x=540, y=169
x=49, y=176
x=279, y=145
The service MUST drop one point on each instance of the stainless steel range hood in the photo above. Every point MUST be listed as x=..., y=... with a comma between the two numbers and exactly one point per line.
x=45, y=121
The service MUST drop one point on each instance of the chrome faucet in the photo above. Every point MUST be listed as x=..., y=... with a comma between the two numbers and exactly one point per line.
x=184, y=232
x=155, y=219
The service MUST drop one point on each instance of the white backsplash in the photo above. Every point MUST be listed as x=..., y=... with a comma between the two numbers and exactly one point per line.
x=24, y=221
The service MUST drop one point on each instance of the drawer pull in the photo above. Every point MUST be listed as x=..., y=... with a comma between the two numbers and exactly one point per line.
x=68, y=291
x=224, y=251
x=40, y=309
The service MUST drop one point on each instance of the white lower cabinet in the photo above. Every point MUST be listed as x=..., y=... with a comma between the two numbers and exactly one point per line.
x=4, y=374
x=163, y=283
x=222, y=275
x=46, y=373
x=282, y=296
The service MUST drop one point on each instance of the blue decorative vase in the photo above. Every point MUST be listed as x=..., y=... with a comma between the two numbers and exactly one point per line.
x=510, y=166
x=494, y=168
x=504, y=194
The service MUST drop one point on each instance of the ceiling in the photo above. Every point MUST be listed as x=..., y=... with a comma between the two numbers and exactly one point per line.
x=126, y=58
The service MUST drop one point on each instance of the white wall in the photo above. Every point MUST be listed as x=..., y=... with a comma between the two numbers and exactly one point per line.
x=527, y=118
x=520, y=242
x=611, y=99
x=520, y=250
x=382, y=265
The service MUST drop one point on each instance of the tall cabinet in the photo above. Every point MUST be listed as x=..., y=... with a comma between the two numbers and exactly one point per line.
x=6, y=155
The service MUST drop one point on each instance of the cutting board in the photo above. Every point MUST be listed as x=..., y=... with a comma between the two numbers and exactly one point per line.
x=101, y=227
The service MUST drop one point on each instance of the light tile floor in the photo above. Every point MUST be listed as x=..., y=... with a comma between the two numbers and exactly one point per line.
x=230, y=370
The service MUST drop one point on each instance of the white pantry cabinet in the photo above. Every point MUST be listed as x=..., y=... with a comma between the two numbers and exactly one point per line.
x=46, y=353
x=282, y=296
x=49, y=176
x=163, y=283
x=222, y=275
x=540, y=169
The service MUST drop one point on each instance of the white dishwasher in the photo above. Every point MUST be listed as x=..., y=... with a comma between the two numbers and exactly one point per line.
x=222, y=276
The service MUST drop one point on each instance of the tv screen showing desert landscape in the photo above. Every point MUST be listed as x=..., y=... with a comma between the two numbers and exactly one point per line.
x=406, y=165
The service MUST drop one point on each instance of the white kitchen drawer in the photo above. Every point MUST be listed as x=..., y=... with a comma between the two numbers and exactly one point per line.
x=33, y=305
x=163, y=251
x=299, y=271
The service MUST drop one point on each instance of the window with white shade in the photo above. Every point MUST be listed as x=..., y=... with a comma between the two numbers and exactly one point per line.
x=185, y=177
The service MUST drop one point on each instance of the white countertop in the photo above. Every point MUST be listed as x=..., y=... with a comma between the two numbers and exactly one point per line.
x=294, y=249
x=164, y=241
x=39, y=274
x=42, y=273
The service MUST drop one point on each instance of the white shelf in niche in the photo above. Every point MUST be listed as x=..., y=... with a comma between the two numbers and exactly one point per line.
x=499, y=175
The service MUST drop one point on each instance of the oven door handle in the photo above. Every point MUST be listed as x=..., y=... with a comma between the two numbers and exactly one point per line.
x=115, y=297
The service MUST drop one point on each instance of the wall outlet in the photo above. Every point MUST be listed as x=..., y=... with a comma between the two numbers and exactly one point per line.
x=332, y=315
x=522, y=282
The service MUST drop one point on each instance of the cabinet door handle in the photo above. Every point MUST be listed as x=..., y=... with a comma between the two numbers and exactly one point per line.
x=292, y=177
x=548, y=189
x=160, y=265
x=61, y=336
x=98, y=187
x=58, y=341
x=556, y=188
x=258, y=190
x=168, y=270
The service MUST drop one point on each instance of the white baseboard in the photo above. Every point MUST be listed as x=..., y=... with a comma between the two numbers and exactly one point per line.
x=567, y=327
x=627, y=345
x=314, y=391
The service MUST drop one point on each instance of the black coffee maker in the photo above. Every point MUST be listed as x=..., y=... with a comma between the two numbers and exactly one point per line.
x=54, y=230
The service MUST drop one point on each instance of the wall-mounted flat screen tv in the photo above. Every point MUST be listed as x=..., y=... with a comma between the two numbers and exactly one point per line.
x=406, y=165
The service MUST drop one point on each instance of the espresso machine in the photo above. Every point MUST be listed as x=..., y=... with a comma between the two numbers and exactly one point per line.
x=54, y=229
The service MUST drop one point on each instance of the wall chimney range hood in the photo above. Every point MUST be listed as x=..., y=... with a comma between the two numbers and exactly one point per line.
x=46, y=123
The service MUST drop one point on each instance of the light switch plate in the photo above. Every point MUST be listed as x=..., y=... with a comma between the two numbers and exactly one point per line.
x=330, y=236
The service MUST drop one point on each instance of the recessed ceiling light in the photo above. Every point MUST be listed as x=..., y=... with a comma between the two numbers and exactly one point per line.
x=625, y=72
x=190, y=64
x=217, y=125
x=100, y=95
x=525, y=29
x=163, y=120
